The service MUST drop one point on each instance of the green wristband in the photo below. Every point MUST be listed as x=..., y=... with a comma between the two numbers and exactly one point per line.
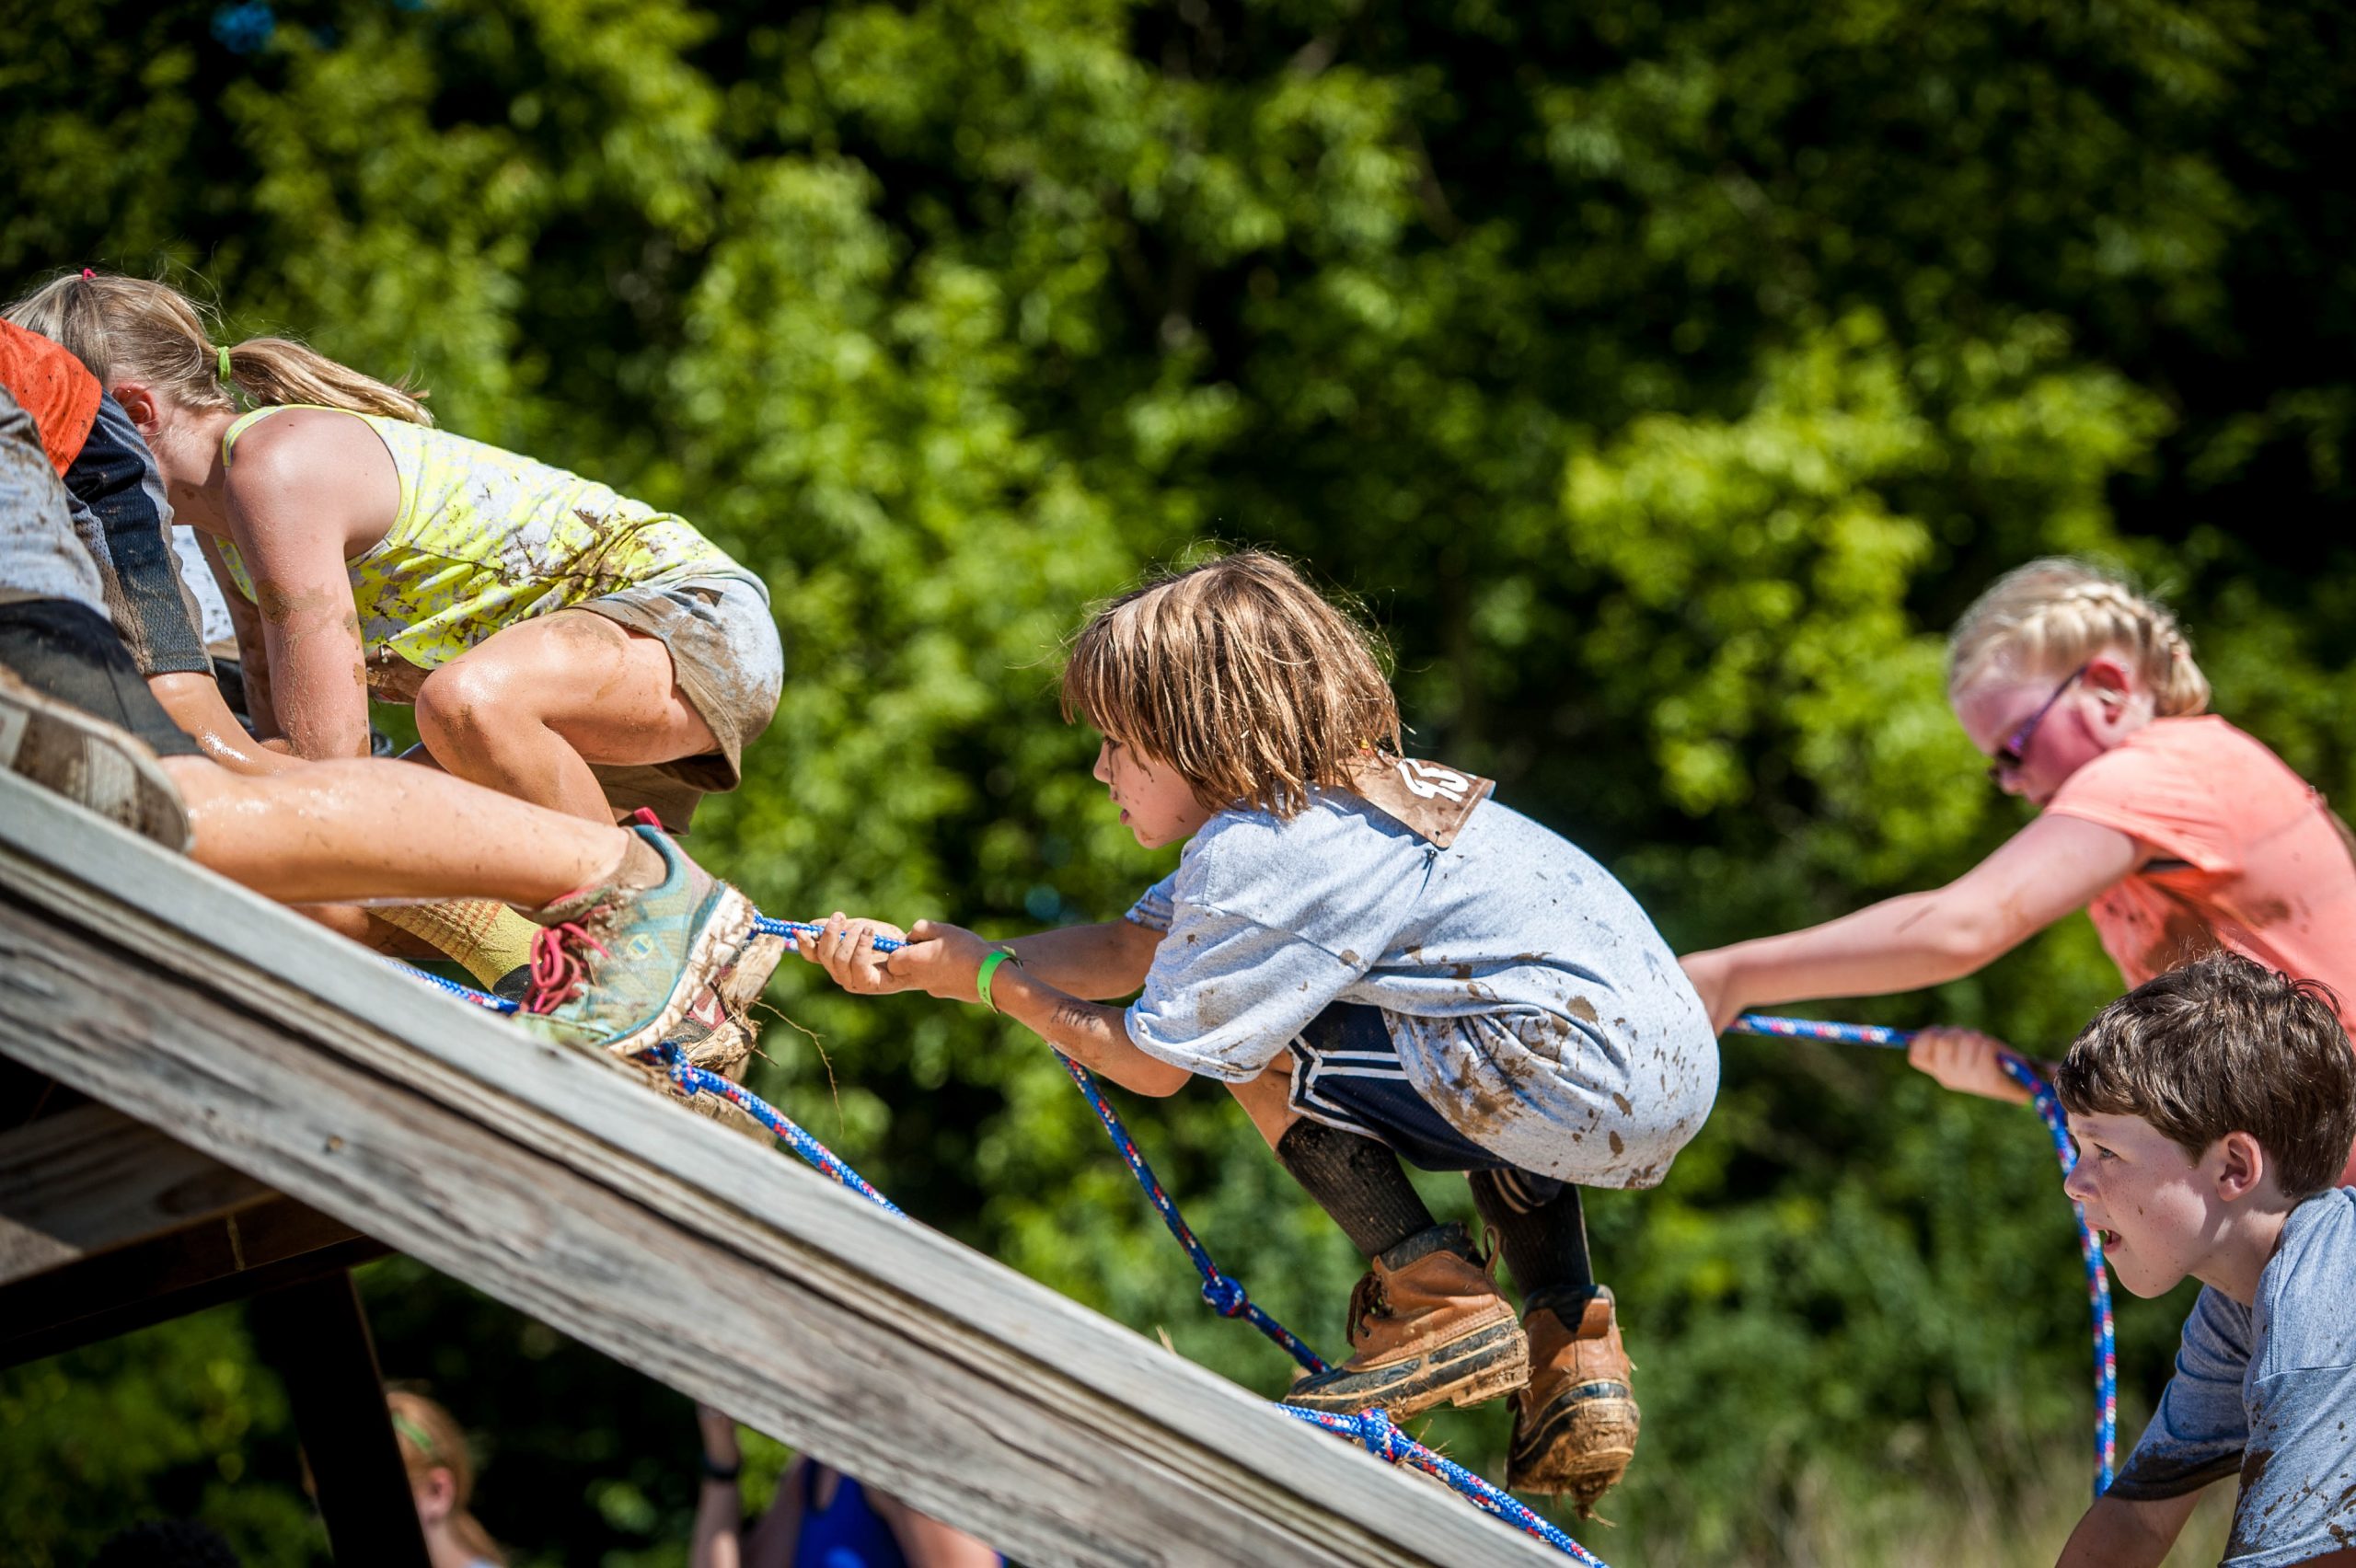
x=982, y=976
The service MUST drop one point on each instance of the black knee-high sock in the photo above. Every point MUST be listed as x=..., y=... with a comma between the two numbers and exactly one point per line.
x=1542, y=1230
x=1358, y=1181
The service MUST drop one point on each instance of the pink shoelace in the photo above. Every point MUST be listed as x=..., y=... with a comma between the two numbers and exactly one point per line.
x=559, y=965
x=560, y=953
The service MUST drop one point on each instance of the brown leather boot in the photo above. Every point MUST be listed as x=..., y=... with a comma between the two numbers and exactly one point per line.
x=1575, y=1423
x=1427, y=1326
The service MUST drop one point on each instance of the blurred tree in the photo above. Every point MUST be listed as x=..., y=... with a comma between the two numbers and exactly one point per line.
x=1664, y=379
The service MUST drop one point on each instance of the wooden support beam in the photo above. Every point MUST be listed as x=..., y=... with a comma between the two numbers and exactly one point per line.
x=315, y=1336
x=261, y=1246
x=91, y=1179
x=553, y=1180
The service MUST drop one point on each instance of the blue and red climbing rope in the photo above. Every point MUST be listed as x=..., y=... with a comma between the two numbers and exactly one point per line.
x=1374, y=1432
x=2049, y=1110
x=1222, y=1291
x=1227, y=1295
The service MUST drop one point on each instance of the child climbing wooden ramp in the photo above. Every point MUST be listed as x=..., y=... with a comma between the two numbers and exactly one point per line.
x=551, y=1180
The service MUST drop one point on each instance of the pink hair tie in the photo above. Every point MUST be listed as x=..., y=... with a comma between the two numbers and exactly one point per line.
x=88, y=274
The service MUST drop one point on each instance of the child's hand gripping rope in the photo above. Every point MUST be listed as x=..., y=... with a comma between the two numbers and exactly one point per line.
x=1968, y=1062
x=872, y=958
x=858, y=956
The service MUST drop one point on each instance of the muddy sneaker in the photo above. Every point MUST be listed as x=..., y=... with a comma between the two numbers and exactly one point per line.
x=746, y=976
x=90, y=762
x=619, y=966
x=1575, y=1424
x=713, y=1036
x=718, y=1039
x=1427, y=1326
x=740, y=984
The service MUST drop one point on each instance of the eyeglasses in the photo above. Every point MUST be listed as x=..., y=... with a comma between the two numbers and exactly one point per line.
x=2012, y=756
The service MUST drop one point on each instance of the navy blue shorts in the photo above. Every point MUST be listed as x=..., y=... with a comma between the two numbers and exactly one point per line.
x=1346, y=1072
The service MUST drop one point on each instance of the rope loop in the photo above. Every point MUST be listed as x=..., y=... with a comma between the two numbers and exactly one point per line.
x=1380, y=1437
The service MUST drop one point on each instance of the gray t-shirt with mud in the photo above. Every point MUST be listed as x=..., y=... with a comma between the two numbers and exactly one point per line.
x=2270, y=1390
x=1531, y=1001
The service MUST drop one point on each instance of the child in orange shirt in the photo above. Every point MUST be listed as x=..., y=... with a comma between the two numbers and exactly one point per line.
x=2176, y=832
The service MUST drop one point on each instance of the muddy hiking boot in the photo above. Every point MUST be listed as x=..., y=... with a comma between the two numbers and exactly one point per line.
x=621, y=966
x=1427, y=1327
x=1575, y=1423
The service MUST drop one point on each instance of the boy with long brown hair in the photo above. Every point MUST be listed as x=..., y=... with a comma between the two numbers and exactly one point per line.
x=1380, y=962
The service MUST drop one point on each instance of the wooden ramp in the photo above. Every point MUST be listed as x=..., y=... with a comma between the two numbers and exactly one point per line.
x=292, y=1104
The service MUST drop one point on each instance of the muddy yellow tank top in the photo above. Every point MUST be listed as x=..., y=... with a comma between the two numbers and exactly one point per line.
x=484, y=538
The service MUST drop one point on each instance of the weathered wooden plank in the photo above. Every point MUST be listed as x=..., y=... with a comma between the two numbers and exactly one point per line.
x=270, y=1244
x=553, y=1181
x=92, y=1179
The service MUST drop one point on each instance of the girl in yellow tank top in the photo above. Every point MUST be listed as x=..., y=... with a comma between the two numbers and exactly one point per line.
x=561, y=642
x=484, y=538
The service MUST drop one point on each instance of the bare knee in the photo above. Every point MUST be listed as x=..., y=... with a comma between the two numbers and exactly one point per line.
x=457, y=703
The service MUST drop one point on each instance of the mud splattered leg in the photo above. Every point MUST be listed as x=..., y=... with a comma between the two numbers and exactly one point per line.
x=528, y=710
x=338, y=831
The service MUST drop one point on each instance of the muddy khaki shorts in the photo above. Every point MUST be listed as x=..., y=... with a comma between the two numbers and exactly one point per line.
x=729, y=664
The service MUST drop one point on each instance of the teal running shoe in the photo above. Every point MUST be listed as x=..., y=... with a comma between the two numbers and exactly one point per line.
x=621, y=968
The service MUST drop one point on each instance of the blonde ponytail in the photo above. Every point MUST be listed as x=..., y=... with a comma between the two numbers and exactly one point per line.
x=2045, y=619
x=279, y=370
x=133, y=329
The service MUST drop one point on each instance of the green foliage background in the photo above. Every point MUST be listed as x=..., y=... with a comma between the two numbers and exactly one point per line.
x=1662, y=378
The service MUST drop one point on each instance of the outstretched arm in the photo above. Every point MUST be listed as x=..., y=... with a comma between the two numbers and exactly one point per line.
x=193, y=702
x=2055, y=865
x=253, y=659
x=944, y=961
x=1099, y=962
x=2119, y=1534
x=301, y=499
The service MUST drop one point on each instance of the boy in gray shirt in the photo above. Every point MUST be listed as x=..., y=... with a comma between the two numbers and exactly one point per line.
x=1381, y=964
x=2212, y=1109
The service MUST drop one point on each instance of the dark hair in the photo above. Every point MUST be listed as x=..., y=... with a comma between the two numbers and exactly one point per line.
x=1241, y=678
x=2226, y=1045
